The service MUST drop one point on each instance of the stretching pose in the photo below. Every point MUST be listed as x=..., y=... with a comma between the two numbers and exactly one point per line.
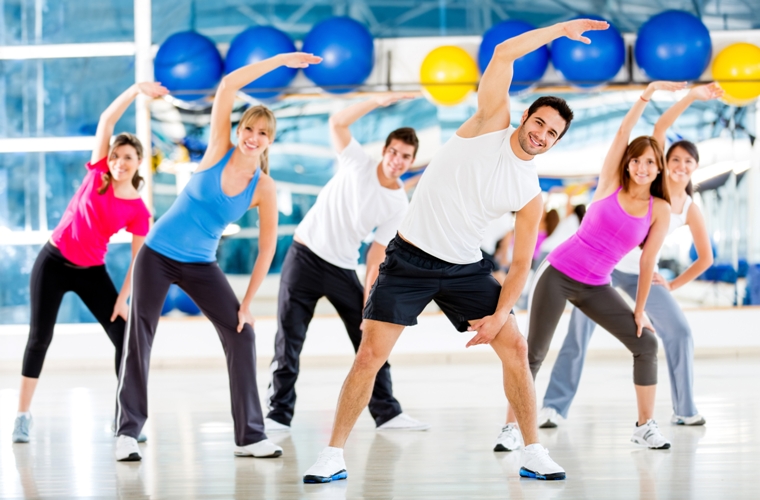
x=630, y=208
x=181, y=249
x=322, y=260
x=682, y=159
x=74, y=258
x=483, y=172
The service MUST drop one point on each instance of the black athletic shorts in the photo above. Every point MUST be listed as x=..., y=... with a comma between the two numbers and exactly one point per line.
x=410, y=278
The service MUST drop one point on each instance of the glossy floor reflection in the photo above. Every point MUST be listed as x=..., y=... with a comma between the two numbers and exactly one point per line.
x=190, y=450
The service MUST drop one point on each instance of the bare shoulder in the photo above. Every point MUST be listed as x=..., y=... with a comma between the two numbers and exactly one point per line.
x=480, y=123
x=266, y=190
x=661, y=208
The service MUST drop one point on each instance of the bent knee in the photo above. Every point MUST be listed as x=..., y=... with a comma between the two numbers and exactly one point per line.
x=647, y=345
x=369, y=359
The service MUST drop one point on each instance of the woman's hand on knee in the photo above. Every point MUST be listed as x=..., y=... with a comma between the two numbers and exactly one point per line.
x=642, y=322
x=244, y=316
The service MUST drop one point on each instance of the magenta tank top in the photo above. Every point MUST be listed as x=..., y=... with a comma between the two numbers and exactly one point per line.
x=605, y=236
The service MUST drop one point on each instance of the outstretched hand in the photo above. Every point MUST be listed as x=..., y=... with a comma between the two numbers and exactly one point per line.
x=152, y=89
x=574, y=29
x=706, y=92
x=392, y=98
x=300, y=59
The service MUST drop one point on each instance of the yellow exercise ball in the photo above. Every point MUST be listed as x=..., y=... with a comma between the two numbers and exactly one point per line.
x=447, y=75
x=733, y=101
x=737, y=69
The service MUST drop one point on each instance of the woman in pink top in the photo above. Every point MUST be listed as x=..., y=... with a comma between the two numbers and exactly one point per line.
x=630, y=208
x=74, y=258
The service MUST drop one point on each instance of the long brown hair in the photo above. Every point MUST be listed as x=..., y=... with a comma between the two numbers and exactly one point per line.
x=252, y=115
x=659, y=187
x=123, y=139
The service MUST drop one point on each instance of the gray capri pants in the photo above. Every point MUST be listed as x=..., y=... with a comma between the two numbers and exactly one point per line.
x=603, y=304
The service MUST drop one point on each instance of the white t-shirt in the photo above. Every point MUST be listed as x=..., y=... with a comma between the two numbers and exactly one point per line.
x=495, y=231
x=630, y=263
x=468, y=184
x=349, y=207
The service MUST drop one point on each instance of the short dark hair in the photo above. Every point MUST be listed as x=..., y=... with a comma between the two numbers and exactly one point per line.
x=406, y=135
x=556, y=103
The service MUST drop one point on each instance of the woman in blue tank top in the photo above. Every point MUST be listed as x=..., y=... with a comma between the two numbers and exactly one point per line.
x=181, y=249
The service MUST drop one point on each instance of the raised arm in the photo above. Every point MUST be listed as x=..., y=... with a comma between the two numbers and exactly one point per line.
x=113, y=112
x=608, y=178
x=669, y=117
x=340, y=135
x=493, y=90
x=221, y=126
x=657, y=232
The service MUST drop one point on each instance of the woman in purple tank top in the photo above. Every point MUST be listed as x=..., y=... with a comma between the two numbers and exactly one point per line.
x=630, y=208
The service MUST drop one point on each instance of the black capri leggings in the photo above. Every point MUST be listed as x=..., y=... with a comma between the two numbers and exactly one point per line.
x=53, y=276
x=604, y=305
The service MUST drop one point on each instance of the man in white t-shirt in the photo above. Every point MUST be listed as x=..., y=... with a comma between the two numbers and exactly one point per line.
x=363, y=195
x=484, y=171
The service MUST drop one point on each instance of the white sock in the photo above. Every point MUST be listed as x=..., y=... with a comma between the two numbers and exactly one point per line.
x=26, y=414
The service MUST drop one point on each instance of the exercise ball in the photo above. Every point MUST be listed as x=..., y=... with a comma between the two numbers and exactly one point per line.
x=529, y=68
x=188, y=61
x=447, y=75
x=591, y=65
x=737, y=69
x=185, y=304
x=673, y=45
x=347, y=51
x=254, y=45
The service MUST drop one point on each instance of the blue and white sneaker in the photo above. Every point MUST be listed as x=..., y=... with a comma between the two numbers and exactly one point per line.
x=694, y=420
x=330, y=466
x=537, y=464
x=21, y=428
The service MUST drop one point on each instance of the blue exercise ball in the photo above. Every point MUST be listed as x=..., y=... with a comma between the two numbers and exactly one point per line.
x=185, y=304
x=254, y=45
x=347, y=52
x=591, y=65
x=528, y=68
x=188, y=61
x=673, y=45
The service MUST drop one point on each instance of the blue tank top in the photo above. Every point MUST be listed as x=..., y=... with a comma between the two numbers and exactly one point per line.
x=192, y=227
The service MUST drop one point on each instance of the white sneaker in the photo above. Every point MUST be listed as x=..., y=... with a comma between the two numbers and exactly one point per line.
x=263, y=449
x=538, y=464
x=403, y=422
x=127, y=449
x=275, y=426
x=649, y=435
x=330, y=466
x=548, y=418
x=509, y=439
x=695, y=420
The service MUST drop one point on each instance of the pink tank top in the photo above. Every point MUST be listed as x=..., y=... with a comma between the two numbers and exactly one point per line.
x=91, y=219
x=605, y=236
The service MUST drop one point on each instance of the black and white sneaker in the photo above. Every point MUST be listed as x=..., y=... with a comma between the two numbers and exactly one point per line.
x=127, y=449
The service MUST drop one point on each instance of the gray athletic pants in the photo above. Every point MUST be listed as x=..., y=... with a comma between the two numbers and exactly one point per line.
x=671, y=326
x=206, y=284
x=604, y=305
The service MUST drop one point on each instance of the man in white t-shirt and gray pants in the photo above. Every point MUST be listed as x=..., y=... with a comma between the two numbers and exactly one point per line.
x=363, y=195
x=484, y=171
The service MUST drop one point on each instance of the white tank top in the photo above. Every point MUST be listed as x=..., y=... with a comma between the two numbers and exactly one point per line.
x=630, y=263
x=468, y=184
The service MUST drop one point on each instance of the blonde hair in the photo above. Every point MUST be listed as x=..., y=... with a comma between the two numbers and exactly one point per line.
x=123, y=139
x=252, y=115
